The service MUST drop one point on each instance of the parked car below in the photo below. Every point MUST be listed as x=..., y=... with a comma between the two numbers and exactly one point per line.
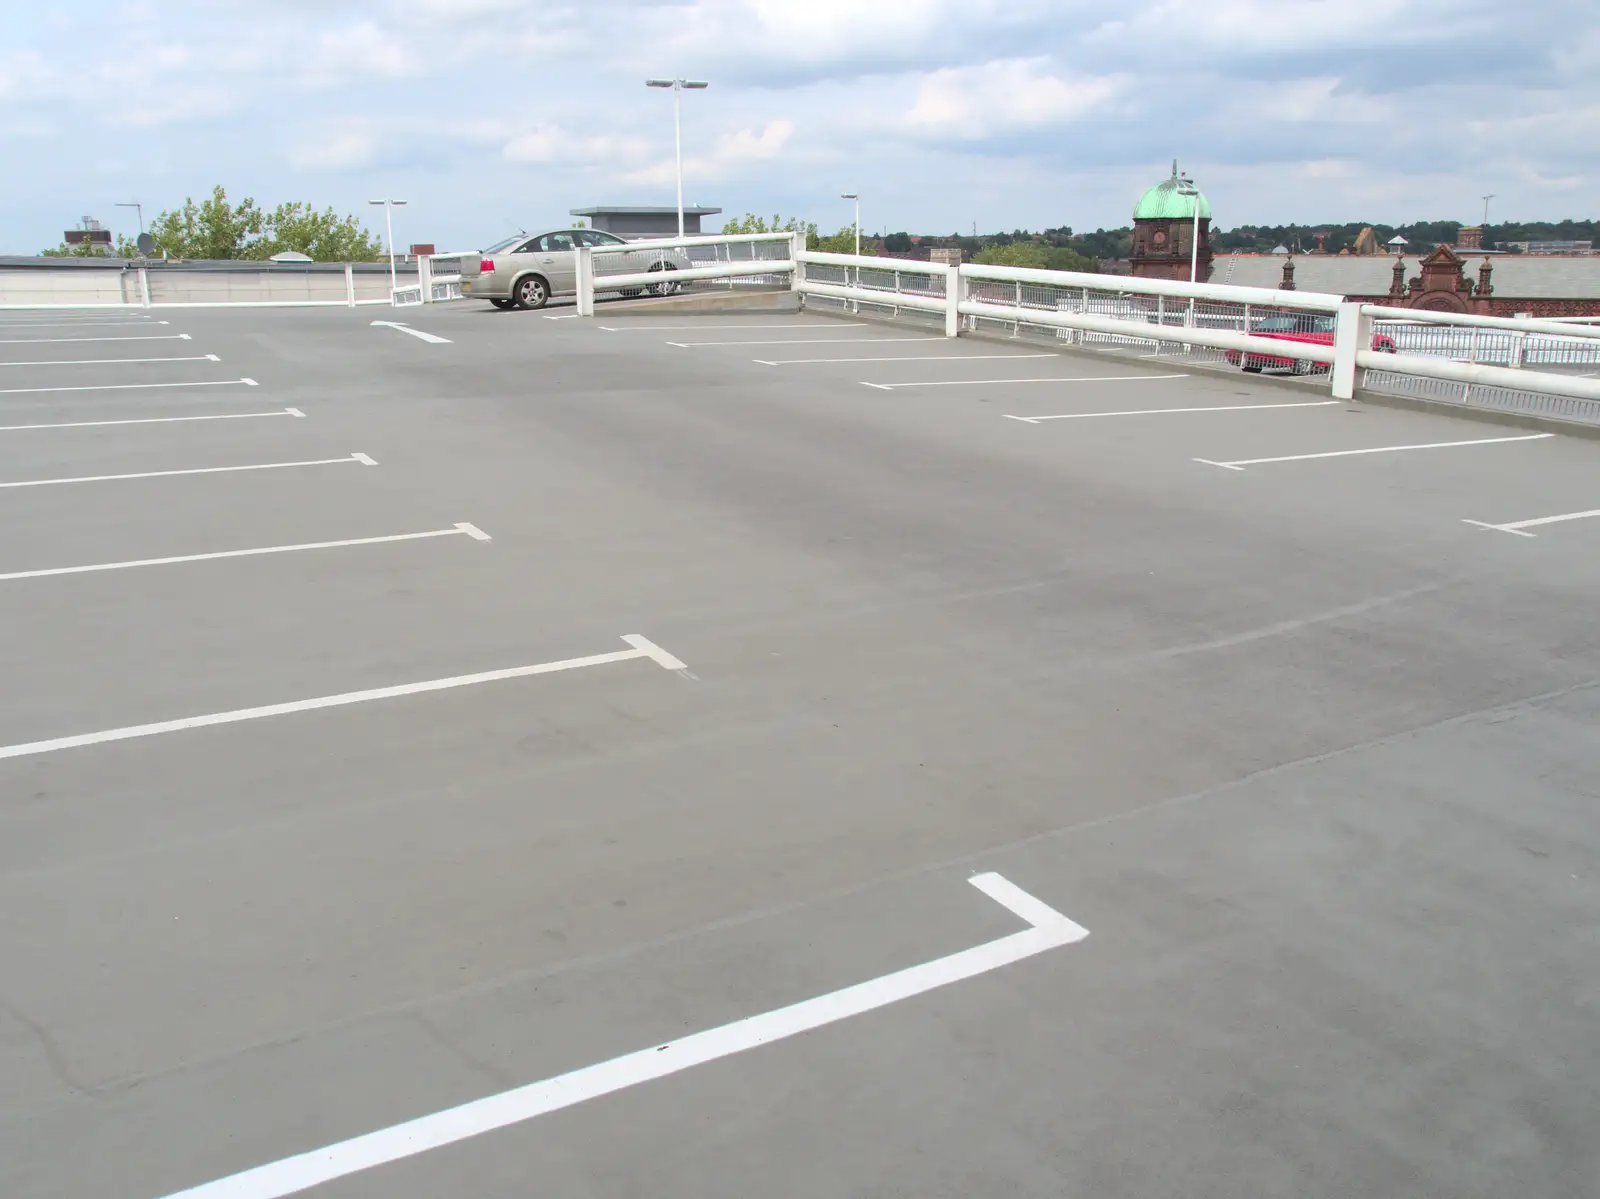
x=1315, y=328
x=529, y=270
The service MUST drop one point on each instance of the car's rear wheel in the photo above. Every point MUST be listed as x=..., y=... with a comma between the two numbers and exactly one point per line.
x=531, y=292
x=665, y=288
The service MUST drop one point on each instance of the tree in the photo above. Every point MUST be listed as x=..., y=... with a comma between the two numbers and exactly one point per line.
x=213, y=229
x=751, y=223
x=1039, y=257
x=217, y=229
x=324, y=236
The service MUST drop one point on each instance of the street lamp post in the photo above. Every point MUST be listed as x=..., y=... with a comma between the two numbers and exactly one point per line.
x=1186, y=187
x=857, y=198
x=1486, y=200
x=137, y=207
x=678, y=86
x=388, y=224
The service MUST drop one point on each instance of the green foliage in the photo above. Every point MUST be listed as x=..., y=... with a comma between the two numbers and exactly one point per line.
x=124, y=248
x=751, y=223
x=213, y=229
x=897, y=243
x=842, y=242
x=325, y=236
x=218, y=229
x=1037, y=255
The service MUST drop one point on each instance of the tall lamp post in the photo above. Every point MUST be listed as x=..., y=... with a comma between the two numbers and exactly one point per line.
x=678, y=87
x=388, y=224
x=857, y=198
x=137, y=207
x=1486, y=200
x=1186, y=187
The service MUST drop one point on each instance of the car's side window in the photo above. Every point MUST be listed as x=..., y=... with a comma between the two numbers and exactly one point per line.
x=588, y=237
x=555, y=243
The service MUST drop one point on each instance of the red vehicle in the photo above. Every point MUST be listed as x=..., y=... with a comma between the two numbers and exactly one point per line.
x=1313, y=327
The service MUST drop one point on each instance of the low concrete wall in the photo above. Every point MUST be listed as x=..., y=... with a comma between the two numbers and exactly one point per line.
x=46, y=281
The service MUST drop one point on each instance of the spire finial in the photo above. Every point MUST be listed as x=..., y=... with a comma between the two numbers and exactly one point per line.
x=1174, y=168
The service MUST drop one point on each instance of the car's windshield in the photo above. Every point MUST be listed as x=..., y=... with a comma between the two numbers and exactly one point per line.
x=506, y=244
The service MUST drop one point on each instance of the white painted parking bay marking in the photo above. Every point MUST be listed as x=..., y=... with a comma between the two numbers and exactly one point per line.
x=39, y=341
x=720, y=328
x=1048, y=929
x=1520, y=527
x=641, y=648
x=1380, y=449
x=17, y=391
x=460, y=530
x=917, y=358
x=363, y=459
x=998, y=382
x=113, y=361
x=418, y=333
x=1033, y=420
x=153, y=420
x=808, y=341
x=77, y=324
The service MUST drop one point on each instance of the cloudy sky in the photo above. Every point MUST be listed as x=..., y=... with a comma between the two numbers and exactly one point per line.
x=489, y=115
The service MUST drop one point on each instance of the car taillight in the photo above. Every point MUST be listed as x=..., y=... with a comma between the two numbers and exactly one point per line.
x=485, y=266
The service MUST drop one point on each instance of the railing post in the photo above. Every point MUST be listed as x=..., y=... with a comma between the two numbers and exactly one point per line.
x=425, y=277
x=955, y=284
x=585, y=263
x=797, y=277
x=144, y=286
x=1352, y=333
x=350, y=284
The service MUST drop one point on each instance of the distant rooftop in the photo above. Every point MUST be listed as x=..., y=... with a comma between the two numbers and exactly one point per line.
x=646, y=210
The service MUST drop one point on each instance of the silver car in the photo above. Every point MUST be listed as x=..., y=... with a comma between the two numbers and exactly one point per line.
x=529, y=270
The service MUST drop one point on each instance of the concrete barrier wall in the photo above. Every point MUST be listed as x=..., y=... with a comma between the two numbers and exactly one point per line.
x=68, y=282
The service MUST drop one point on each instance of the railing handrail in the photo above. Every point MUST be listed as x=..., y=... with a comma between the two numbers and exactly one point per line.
x=1469, y=321
x=668, y=243
x=906, y=266
x=1230, y=293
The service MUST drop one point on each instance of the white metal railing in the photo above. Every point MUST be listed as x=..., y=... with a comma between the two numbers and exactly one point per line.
x=439, y=275
x=666, y=266
x=1463, y=358
x=234, y=285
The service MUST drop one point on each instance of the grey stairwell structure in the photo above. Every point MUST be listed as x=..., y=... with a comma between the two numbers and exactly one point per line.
x=643, y=222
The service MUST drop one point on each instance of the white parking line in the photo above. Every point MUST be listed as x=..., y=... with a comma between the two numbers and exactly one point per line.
x=28, y=341
x=77, y=324
x=642, y=648
x=417, y=333
x=1033, y=420
x=720, y=328
x=917, y=358
x=17, y=391
x=1048, y=929
x=460, y=530
x=998, y=382
x=112, y=361
x=153, y=420
x=808, y=341
x=363, y=459
x=1381, y=449
x=1517, y=526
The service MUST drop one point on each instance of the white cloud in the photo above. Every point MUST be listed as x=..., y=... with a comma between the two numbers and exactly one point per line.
x=732, y=153
x=553, y=144
x=346, y=146
x=361, y=49
x=1000, y=97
